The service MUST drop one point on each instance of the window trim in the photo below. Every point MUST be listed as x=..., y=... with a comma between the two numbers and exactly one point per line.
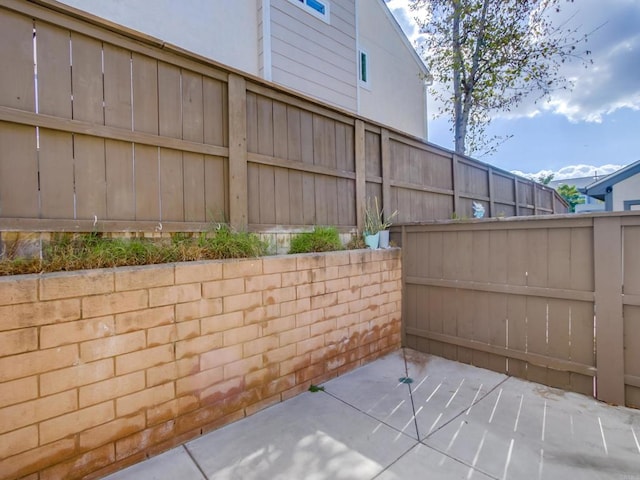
x=304, y=5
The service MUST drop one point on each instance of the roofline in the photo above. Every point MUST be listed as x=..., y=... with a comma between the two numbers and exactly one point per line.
x=404, y=38
x=600, y=187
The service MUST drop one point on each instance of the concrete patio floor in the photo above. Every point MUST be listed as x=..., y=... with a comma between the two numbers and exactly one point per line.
x=453, y=421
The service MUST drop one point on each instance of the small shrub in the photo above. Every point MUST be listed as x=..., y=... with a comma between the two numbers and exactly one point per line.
x=356, y=243
x=68, y=252
x=322, y=239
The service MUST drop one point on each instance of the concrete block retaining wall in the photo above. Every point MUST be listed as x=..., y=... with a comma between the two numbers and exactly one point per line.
x=101, y=369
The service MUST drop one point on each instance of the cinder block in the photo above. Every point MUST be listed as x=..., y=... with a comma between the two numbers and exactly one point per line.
x=222, y=391
x=81, y=465
x=162, y=335
x=143, y=319
x=309, y=345
x=279, y=385
x=111, y=388
x=310, y=261
x=279, y=325
x=322, y=327
x=171, y=409
x=296, y=306
x=146, y=398
x=370, y=290
x=112, y=346
x=18, y=441
x=241, y=367
x=18, y=391
x=41, y=361
x=240, y=335
x=176, y=294
x=309, y=317
x=205, y=271
x=187, y=330
x=196, y=346
x=18, y=290
x=144, y=440
x=42, y=313
x=294, y=336
x=260, y=283
x=34, y=411
x=294, y=364
x=148, y=276
x=143, y=359
x=75, y=422
x=76, y=376
x=171, y=371
x=261, y=314
x=220, y=323
x=223, y=288
x=279, y=295
x=18, y=341
x=54, y=286
x=77, y=331
x=322, y=301
x=241, y=268
x=36, y=459
x=220, y=357
x=279, y=264
x=262, y=404
x=260, y=378
x=260, y=346
x=196, y=383
x=336, y=285
x=325, y=274
x=111, y=431
x=243, y=302
x=202, y=308
x=296, y=278
x=108, y=304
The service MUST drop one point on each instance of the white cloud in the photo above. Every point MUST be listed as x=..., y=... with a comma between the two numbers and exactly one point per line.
x=573, y=171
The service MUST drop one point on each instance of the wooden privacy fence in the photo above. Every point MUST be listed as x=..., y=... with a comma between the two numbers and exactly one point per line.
x=105, y=129
x=554, y=300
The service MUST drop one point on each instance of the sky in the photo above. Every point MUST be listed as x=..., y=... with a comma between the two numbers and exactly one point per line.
x=593, y=128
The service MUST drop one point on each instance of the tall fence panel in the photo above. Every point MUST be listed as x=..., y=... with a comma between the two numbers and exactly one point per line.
x=540, y=299
x=105, y=129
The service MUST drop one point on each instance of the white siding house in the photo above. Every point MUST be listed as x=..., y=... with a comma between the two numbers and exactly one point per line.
x=620, y=191
x=320, y=48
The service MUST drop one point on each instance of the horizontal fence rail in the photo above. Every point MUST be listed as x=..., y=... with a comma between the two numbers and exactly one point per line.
x=553, y=300
x=121, y=132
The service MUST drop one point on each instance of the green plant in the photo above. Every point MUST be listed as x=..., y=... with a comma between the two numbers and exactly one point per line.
x=374, y=219
x=314, y=388
x=67, y=252
x=356, y=243
x=321, y=239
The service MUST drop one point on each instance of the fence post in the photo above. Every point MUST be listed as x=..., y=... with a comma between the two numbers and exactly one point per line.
x=516, y=194
x=361, y=173
x=385, y=157
x=492, y=202
x=607, y=248
x=456, y=187
x=238, y=185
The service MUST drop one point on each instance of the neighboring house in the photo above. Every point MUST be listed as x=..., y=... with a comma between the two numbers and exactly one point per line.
x=590, y=204
x=348, y=53
x=619, y=191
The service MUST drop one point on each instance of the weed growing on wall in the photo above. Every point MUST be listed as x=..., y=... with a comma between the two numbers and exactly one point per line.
x=321, y=239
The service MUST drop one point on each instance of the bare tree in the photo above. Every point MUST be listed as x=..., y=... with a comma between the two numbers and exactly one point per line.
x=490, y=55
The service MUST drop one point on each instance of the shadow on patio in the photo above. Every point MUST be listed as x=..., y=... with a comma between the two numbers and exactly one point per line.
x=449, y=420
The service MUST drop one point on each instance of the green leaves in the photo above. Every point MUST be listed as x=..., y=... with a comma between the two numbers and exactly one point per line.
x=490, y=55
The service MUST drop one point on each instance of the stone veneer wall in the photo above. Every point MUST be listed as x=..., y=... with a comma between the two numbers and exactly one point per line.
x=101, y=369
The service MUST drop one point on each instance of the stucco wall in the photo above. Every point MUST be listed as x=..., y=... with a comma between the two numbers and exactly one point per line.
x=100, y=369
x=223, y=30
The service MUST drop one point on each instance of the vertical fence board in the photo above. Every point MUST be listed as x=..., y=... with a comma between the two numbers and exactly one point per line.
x=120, y=184
x=117, y=87
x=253, y=192
x=309, y=199
x=147, y=183
x=214, y=97
x=631, y=245
x=282, y=198
x=294, y=146
x=86, y=76
x=632, y=351
x=18, y=179
x=171, y=185
x=192, y=107
x=16, y=49
x=194, y=199
x=56, y=174
x=54, y=70
x=296, y=209
x=169, y=100
x=280, y=140
x=216, y=189
x=265, y=126
x=144, y=81
x=267, y=195
x=559, y=258
x=90, y=177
